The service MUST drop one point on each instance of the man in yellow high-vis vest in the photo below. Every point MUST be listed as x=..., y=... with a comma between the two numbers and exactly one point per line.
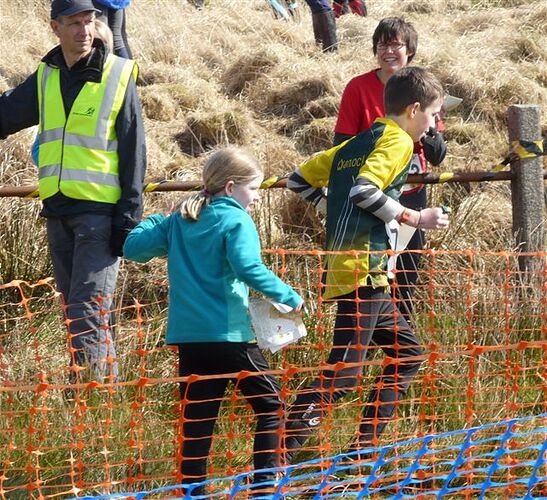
x=92, y=160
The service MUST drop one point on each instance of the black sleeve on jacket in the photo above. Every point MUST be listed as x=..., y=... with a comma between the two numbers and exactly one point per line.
x=340, y=138
x=19, y=107
x=132, y=160
x=434, y=147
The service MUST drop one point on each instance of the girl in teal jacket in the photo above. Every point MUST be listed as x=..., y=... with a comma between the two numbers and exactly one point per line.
x=213, y=256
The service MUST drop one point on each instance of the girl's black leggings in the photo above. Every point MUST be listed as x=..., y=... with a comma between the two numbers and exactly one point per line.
x=201, y=400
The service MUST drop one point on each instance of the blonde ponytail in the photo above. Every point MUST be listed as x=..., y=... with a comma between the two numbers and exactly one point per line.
x=193, y=204
x=227, y=164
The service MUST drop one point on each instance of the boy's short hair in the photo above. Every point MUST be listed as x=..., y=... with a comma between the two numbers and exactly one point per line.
x=395, y=28
x=409, y=85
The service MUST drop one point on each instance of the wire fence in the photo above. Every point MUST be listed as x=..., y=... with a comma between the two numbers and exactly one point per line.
x=471, y=425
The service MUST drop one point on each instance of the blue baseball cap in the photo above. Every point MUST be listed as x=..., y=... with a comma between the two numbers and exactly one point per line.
x=71, y=7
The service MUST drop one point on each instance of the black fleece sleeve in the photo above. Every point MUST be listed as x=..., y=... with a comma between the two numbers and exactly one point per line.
x=132, y=160
x=19, y=107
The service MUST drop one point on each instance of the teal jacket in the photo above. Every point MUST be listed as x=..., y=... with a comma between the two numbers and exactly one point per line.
x=211, y=262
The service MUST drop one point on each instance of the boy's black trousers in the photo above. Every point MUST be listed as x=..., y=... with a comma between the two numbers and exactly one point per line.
x=364, y=317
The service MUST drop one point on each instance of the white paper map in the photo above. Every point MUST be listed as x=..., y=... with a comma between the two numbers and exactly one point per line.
x=399, y=237
x=275, y=325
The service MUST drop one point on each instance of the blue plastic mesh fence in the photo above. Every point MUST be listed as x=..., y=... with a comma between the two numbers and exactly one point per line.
x=506, y=459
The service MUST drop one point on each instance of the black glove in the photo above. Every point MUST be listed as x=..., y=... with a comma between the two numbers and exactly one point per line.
x=434, y=147
x=117, y=239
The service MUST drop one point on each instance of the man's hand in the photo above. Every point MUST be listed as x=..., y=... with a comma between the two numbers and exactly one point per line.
x=117, y=239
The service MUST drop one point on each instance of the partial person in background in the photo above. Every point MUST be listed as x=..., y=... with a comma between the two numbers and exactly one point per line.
x=394, y=43
x=341, y=7
x=113, y=15
x=213, y=258
x=104, y=33
x=91, y=165
x=324, y=24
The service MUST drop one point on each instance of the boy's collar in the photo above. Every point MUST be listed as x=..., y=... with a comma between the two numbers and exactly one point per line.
x=389, y=119
x=396, y=121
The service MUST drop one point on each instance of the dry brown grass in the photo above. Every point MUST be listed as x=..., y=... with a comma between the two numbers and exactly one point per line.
x=316, y=135
x=229, y=74
x=247, y=69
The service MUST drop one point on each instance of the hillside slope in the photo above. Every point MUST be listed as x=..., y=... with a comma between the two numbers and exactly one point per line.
x=232, y=73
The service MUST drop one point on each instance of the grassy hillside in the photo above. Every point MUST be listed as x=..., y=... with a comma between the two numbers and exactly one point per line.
x=232, y=73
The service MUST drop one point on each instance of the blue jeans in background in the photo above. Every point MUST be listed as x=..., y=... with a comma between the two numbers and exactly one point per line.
x=319, y=5
x=115, y=19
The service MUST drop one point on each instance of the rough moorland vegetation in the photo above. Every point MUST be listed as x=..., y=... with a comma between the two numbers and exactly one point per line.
x=231, y=73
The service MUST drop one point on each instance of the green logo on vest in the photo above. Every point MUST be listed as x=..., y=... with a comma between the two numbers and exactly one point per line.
x=88, y=112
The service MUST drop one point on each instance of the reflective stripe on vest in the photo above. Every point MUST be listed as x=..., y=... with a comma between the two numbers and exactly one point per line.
x=78, y=155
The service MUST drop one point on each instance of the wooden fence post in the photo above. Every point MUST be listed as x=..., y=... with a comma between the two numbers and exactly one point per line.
x=527, y=191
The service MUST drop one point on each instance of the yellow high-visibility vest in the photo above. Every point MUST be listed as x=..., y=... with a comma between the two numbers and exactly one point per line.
x=78, y=154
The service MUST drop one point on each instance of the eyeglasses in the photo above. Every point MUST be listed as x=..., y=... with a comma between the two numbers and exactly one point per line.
x=394, y=46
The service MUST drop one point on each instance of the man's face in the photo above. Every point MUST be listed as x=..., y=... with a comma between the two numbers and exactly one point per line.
x=422, y=119
x=75, y=33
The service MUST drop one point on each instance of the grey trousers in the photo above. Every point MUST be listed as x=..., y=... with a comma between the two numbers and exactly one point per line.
x=86, y=271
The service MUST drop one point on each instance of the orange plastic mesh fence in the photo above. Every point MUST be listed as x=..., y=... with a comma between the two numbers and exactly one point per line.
x=481, y=323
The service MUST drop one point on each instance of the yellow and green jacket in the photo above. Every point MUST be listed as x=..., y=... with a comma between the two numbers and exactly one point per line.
x=364, y=176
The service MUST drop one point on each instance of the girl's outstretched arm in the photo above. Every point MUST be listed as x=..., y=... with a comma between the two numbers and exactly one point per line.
x=148, y=239
x=243, y=253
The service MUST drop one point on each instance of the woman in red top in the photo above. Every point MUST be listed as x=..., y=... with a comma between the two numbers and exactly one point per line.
x=394, y=44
